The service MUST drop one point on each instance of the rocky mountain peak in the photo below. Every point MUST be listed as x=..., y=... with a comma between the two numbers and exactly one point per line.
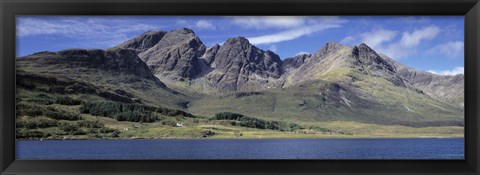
x=238, y=65
x=238, y=41
x=183, y=31
x=365, y=47
x=330, y=47
x=143, y=41
x=367, y=56
x=176, y=55
x=178, y=36
x=374, y=64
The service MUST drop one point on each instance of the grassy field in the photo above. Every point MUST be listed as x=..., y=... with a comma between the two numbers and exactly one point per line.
x=100, y=127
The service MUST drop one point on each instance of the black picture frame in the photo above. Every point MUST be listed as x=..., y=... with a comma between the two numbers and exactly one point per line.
x=470, y=9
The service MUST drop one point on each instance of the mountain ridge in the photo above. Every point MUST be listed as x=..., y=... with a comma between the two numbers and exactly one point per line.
x=116, y=74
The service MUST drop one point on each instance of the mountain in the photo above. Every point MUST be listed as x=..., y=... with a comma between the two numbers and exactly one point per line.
x=240, y=66
x=173, y=56
x=179, y=56
x=333, y=60
x=340, y=83
x=115, y=74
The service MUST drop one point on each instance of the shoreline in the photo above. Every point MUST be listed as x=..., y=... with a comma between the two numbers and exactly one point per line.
x=178, y=138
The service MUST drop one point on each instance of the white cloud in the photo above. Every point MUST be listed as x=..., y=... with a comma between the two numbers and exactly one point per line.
x=383, y=40
x=294, y=33
x=266, y=22
x=454, y=71
x=377, y=37
x=288, y=35
x=204, y=24
x=412, y=39
x=108, y=31
x=302, y=53
x=452, y=49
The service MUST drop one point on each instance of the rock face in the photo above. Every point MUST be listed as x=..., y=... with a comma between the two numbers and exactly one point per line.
x=238, y=65
x=175, y=56
x=372, y=63
x=209, y=56
x=295, y=62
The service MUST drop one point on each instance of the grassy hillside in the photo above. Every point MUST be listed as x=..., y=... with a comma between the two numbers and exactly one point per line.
x=362, y=98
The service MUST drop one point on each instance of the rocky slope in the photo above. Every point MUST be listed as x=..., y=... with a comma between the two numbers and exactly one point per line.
x=448, y=88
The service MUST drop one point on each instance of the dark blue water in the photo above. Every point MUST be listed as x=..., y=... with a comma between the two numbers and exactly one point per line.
x=428, y=148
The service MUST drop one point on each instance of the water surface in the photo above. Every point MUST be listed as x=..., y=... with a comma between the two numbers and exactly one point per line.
x=417, y=148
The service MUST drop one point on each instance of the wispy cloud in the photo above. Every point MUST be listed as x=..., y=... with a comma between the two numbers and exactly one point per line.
x=454, y=71
x=386, y=41
x=109, y=31
x=451, y=50
x=412, y=39
x=409, y=42
x=268, y=22
x=307, y=28
x=204, y=24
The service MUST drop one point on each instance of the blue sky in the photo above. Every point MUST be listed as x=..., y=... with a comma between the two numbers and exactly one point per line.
x=430, y=43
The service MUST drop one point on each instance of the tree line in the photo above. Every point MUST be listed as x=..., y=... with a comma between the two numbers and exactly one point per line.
x=251, y=122
x=129, y=112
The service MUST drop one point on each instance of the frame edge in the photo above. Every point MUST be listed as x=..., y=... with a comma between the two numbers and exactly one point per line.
x=6, y=158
